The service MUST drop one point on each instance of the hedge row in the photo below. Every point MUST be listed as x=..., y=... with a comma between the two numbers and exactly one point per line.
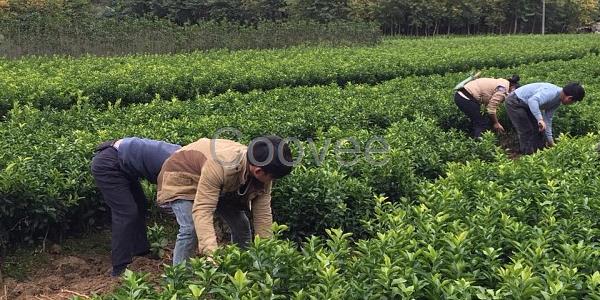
x=63, y=82
x=523, y=229
x=46, y=182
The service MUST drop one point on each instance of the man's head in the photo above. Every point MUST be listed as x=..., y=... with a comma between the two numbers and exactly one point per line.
x=514, y=83
x=571, y=93
x=269, y=158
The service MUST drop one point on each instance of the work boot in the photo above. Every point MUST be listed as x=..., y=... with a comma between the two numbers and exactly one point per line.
x=117, y=271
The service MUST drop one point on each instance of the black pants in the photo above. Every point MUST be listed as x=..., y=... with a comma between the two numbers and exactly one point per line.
x=479, y=122
x=128, y=205
x=530, y=138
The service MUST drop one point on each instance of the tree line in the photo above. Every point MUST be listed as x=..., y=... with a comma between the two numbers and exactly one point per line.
x=408, y=17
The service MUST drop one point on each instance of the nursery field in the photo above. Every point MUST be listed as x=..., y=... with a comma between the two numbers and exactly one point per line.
x=429, y=214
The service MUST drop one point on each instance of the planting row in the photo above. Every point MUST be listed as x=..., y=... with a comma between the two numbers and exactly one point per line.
x=46, y=180
x=524, y=229
x=49, y=185
x=62, y=82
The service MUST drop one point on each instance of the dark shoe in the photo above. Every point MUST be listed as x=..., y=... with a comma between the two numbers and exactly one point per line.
x=148, y=254
x=143, y=253
x=117, y=271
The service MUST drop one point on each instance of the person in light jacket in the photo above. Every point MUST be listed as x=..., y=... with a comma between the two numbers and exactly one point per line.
x=489, y=92
x=532, y=107
x=221, y=177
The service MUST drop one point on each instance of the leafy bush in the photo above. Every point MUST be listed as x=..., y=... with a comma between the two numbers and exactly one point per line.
x=63, y=82
x=46, y=181
x=312, y=200
x=81, y=36
x=420, y=151
x=158, y=240
x=508, y=229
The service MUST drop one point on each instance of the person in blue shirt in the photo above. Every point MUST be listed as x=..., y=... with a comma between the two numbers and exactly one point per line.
x=531, y=108
x=117, y=168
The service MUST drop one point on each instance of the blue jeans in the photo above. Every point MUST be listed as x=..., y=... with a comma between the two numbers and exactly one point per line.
x=187, y=241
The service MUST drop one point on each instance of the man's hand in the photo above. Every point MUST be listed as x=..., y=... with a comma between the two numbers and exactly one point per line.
x=498, y=127
x=211, y=260
x=550, y=144
x=542, y=125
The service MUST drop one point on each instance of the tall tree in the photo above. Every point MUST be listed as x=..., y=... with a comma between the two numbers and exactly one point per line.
x=258, y=10
x=393, y=15
x=523, y=11
x=319, y=10
x=363, y=10
x=495, y=14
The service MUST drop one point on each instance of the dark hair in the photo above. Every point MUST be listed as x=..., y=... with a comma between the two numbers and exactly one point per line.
x=575, y=90
x=514, y=80
x=271, y=154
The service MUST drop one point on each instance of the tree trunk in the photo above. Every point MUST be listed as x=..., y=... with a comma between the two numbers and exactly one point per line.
x=515, y=30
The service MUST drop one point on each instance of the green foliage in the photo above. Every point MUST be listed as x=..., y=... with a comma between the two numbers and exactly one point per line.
x=46, y=183
x=453, y=217
x=419, y=151
x=319, y=10
x=194, y=11
x=158, y=240
x=134, y=286
x=392, y=16
x=64, y=82
x=48, y=35
x=312, y=200
x=473, y=235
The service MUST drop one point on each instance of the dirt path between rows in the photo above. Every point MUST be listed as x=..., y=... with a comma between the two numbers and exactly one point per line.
x=70, y=275
x=81, y=267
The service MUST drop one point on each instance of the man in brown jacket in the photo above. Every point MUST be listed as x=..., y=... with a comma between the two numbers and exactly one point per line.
x=489, y=92
x=223, y=177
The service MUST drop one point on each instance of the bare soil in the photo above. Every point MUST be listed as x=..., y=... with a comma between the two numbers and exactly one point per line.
x=81, y=267
x=63, y=274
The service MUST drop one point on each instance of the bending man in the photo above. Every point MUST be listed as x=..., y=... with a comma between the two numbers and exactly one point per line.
x=223, y=177
x=531, y=109
x=117, y=168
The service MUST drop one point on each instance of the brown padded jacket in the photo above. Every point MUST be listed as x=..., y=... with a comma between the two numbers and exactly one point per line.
x=202, y=171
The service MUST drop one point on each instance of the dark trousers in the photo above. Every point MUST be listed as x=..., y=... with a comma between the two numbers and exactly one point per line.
x=237, y=220
x=479, y=122
x=127, y=203
x=530, y=138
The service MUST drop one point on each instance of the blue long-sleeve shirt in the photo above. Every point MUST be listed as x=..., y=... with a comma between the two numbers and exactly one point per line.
x=143, y=158
x=543, y=99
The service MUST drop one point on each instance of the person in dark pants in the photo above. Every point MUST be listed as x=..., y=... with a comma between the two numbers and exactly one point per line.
x=531, y=109
x=489, y=92
x=117, y=168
